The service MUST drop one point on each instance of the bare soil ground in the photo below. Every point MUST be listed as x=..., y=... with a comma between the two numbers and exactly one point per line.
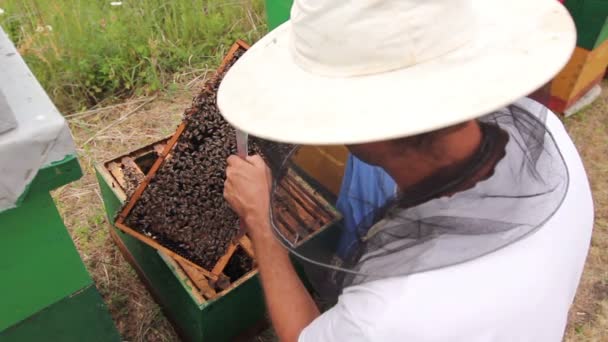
x=109, y=132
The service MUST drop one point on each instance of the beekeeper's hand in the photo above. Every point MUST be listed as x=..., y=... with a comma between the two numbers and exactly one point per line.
x=247, y=190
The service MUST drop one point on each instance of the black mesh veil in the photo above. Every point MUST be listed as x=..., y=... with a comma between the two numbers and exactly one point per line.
x=386, y=232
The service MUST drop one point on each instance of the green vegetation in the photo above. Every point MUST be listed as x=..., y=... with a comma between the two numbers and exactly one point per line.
x=88, y=51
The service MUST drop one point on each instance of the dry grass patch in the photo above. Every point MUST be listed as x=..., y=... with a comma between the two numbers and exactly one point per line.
x=589, y=315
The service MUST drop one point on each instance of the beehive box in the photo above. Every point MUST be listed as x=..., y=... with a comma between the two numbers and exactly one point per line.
x=585, y=69
x=588, y=63
x=226, y=300
x=590, y=17
x=198, y=312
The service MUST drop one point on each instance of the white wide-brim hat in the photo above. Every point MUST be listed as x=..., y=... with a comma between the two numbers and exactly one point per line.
x=346, y=72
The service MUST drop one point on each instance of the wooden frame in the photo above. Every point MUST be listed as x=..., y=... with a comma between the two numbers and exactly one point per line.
x=300, y=191
x=112, y=171
x=214, y=274
x=309, y=205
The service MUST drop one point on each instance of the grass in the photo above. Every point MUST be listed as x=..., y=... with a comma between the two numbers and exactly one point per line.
x=85, y=52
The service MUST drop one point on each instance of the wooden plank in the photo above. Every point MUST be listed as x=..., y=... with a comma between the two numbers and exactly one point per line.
x=140, y=151
x=145, y=149
x=199, y=279
x=289, y=213
x=116, y=172
x=320, y=204
x=327, y=208
x=130, y=163
x=283, y=227
x=119, y=191
x=132, y=174
x=223, y=261
x=304, y=208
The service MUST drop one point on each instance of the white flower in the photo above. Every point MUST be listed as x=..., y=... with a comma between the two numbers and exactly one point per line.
x=116, y=3
x=1, y=11
x=41, y=29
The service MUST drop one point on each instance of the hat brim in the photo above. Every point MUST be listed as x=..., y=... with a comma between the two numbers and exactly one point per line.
x=518, y=47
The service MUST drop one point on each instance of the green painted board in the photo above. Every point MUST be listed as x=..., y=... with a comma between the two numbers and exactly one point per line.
x=603, y=34
x=57, y=174
x=166, y=289
x=79, y=317
x=277, y=12
x=241, y=308
x=590, y=19
x=38, y=260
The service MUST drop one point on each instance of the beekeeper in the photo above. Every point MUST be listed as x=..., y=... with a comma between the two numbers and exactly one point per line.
x=467, y=211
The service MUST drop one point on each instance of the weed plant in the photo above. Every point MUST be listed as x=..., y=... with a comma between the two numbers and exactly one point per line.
x=87, y=51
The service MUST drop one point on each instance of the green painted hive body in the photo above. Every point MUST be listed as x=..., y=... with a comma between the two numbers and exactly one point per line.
x=47, y=294
x=45, y=290
x=591, y=19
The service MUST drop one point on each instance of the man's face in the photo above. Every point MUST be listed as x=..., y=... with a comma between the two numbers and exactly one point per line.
x=374, y=153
